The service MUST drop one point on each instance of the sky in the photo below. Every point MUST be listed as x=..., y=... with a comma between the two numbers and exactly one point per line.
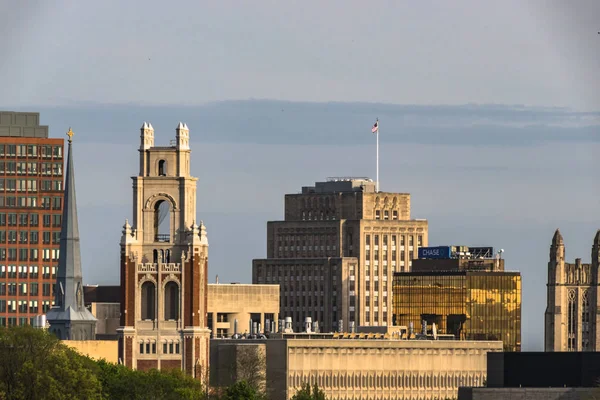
x=489, y=114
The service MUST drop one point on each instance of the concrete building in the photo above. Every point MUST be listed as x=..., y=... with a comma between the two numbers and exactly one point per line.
x=353, y=369
x=572, y=317
x=104, y=302
x=31, y=203
x=236, y=308
x=164, y=264
x=336, y=251
x=69, y=319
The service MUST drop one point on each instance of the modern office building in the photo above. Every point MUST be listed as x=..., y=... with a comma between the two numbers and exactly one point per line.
x=482, y=303
x=164, y=264
x=355, y=368
x=572, y=317
x=335, y=253
x=242, y=309
x=31, y=203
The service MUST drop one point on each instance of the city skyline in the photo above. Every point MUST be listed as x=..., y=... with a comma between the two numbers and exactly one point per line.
x=475, y=215
x=481, y=170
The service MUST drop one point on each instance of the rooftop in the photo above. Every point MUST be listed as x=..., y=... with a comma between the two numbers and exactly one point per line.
x=22, y=124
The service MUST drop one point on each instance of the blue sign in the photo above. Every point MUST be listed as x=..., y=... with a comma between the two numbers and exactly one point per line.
x=439, y=252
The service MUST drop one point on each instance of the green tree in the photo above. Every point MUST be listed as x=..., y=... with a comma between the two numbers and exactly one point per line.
x=242, y=391
x=120, y=382
x=306, y=394
x=34, y=365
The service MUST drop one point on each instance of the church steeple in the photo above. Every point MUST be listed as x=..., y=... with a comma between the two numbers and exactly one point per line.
x=69, y=318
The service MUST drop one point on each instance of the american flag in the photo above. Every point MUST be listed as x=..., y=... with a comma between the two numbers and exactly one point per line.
x=375, y=127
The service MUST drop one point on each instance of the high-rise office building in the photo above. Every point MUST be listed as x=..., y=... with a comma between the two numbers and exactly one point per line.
x=572, y=313
x=335, y=253
x=164, y=262
x=31, y=201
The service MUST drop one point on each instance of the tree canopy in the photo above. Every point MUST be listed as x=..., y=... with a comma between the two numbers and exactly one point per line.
x=306, y=394
x=36, y=366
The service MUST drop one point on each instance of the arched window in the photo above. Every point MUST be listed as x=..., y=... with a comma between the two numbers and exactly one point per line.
x=171, y=301
x=571, y=316
x=148, y=301
x=155, y=256
x=162, y=168
x=162, y=221
x=167, y=256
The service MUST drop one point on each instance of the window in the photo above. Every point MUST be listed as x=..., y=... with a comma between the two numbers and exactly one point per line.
x=162, y=168
x=56, y=202
x=57, y=151
x=171, y=301
x=378, y=214
x=395, y=214
x=148, y=301
x=56, y=220
x=33, y=289
x=386, y=214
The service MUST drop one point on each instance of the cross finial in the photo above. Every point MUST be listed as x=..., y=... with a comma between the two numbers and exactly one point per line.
x=70, y=135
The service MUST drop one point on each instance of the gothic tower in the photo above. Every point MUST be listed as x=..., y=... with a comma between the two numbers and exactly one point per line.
x=553, y=316
x=164, y=260
x=571, y=314
x=69, y=319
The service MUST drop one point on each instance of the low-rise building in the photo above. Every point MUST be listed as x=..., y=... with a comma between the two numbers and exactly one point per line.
x=237, y=308
x=354, y=369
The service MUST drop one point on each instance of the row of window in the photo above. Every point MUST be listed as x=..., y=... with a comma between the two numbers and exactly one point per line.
x=392, y=239
x=30, y=202
x=386, y=214
x=168, y=348
x=25, y=271
x=30, y=150
x=24, y=306
x=31, y=168
x=12, y=321
x=30, y=185
x=31, y=219
x=14, y=254
x=32, y=237
x=24, y=289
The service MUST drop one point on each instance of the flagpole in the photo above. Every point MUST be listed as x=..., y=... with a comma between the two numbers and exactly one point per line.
x=377, y=159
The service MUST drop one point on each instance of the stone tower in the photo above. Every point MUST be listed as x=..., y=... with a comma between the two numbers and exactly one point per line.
x=69, y=319
x=164, y=260
x=571, y=313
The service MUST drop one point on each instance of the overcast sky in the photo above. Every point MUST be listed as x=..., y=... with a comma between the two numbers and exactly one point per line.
x=489, y=114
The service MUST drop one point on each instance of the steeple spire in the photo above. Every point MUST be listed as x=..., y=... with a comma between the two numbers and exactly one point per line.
x=69, y=318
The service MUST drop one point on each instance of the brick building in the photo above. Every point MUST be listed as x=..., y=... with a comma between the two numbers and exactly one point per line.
x=164, y=261
x=31, y=201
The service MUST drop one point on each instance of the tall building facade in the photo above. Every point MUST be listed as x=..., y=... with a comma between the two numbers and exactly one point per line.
x=336, y=251
x=573, y=306
x=31, y=204
x=69, y=318
x=164, y=261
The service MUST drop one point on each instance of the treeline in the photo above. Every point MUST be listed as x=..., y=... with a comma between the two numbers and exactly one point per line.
x=34, y=365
